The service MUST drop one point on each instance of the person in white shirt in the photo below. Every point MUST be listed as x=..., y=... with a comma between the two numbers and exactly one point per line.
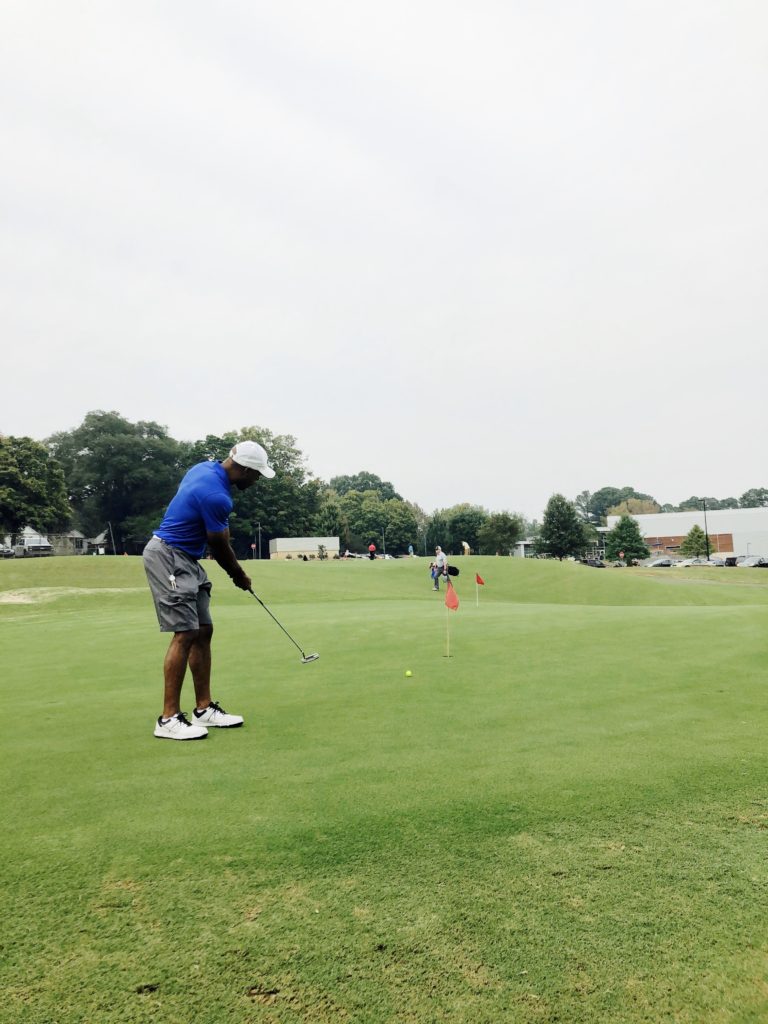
x=439, y=567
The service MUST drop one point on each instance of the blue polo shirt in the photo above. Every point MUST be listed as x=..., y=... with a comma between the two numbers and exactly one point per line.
x=202, y=504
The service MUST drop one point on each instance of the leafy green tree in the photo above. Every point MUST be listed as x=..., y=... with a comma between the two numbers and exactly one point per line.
x=363, y=519
x=532, y=528
x=562, y=532
x=591, y=536
x=607, y=498
x=598, y=504
x=450, y=527
x=695, y=543
x=499, y=533
x=362, y=482
x=328, y=520
x=464, y=524
x=401, y=526
x=695, y=504
x=754, y=498
x=366, y=518
x=373, y=518
x=351, y=536
x=438, y=532
x=582, y=505
x=422, y=526
x=212, y=448
x=118, y=472
x=32, y=488
x=626, y=538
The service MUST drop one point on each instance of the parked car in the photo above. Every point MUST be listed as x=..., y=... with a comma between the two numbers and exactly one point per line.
x=32, y=550
x=659, y=563
x=755, y=562
x=7, y=553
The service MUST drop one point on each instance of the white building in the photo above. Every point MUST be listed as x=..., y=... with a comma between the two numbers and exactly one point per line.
x=732, y=531
x=299, y=547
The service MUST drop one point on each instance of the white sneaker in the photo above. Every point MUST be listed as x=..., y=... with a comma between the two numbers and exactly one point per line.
x=178, y=728
x=216, y=717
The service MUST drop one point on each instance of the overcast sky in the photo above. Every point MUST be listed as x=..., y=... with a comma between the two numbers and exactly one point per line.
x=488, y=251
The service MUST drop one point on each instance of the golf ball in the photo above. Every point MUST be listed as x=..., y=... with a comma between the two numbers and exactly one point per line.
x=408, y=673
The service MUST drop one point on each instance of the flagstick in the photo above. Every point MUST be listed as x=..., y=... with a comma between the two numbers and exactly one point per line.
x=447, y=632
x=477, y=594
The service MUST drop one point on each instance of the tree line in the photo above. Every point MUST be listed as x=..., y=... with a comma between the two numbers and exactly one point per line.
x=112, y=473
x=594, y=508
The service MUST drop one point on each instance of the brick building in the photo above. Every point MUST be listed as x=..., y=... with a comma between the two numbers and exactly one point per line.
x=732, y=531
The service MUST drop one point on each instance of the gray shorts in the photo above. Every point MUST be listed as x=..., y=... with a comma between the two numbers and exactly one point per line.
x=180, y=588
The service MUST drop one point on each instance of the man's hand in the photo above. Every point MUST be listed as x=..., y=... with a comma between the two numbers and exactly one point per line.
x=221, y=549
x=242, y=580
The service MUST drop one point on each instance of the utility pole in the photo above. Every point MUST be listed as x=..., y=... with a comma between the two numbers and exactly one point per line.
x=706, y=532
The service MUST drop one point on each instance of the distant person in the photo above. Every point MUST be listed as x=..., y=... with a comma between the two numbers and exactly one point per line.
x=467, y=549
x=439, y=567
x=371, y=551
x=410, y=551
x=197, y=518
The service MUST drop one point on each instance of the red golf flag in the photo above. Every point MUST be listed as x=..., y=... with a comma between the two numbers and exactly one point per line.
x=479, y=579
x=451, y=597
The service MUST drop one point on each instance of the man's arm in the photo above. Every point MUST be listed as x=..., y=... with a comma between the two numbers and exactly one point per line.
x=221, y=549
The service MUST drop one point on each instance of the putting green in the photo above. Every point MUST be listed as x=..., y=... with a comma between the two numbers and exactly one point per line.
x=563, y=821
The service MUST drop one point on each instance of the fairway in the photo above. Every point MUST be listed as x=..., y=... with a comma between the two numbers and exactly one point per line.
x=565, y=821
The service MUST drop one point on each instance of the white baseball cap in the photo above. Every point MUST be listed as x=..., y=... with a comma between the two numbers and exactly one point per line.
x=252, y=456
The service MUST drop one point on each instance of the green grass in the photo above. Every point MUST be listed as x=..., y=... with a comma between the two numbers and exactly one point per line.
x=566, y=821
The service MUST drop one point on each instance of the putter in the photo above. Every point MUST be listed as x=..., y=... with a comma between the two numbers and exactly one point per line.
x=305, y=658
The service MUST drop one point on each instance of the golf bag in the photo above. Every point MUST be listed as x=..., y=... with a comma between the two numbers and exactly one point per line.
x=448, y=570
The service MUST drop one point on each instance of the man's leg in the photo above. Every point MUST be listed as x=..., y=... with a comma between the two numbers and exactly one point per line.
x=200, y=666
x=174, y=669
x=208, y=712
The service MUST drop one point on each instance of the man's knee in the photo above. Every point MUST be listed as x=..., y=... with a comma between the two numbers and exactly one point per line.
x=185, y=638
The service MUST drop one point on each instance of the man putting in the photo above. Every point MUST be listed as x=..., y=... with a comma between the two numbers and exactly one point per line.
x=197, y=518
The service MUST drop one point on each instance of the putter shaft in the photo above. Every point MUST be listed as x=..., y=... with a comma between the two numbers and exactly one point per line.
x=279, y=624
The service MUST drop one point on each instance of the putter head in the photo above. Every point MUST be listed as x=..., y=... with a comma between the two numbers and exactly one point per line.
x=309, y=657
